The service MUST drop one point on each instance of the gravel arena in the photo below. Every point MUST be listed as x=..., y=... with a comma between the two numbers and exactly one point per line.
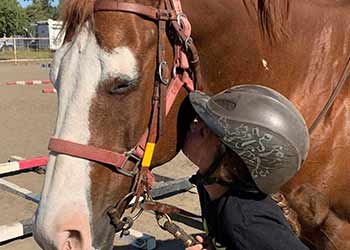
x=27, y=119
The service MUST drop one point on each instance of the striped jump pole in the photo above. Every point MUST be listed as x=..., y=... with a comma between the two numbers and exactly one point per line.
x=15, y=230
x=49, y=90
x=15, y=166
x=19, y=191
x=29, y=82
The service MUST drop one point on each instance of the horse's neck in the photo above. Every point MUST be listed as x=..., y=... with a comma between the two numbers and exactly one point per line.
x=234, y=50
x=217, y=30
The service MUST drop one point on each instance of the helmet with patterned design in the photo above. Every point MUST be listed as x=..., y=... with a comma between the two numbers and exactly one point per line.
x=262, y=127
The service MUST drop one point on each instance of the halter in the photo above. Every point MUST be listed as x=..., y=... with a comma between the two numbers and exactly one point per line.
x=185, y=73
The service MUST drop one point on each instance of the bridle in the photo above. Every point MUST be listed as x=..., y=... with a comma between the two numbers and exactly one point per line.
x=185, y=73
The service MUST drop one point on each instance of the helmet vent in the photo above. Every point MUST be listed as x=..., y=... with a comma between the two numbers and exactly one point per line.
x=228, y=105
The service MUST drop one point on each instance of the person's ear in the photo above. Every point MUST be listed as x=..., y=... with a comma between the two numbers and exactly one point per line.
x=227, y=169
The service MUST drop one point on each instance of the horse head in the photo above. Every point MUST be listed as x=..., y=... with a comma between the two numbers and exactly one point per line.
x=105, y=76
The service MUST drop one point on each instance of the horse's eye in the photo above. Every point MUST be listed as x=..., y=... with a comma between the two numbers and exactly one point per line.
x=122, y=86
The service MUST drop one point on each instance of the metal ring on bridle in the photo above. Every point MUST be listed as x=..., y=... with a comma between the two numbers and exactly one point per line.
x=160, y=72
x=137, y=215
x=178, y=18
x=161, y=216
x=174, y=72
x=128, y=222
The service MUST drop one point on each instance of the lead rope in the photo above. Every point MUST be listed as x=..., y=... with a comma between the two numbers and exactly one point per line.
x=332, y=98
x=168, y=225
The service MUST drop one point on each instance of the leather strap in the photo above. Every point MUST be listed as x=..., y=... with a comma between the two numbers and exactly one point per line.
x=147, y=11
x=93, y=153
x=86, y=152
x=166, y=209
x=158, y=113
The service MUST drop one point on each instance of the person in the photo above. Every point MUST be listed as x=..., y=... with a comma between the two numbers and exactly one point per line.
x=247, y=141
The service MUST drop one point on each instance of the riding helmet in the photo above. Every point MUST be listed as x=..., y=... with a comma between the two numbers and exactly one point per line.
x=262, y=127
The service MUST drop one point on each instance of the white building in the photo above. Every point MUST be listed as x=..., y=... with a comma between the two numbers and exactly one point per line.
x=50, y=29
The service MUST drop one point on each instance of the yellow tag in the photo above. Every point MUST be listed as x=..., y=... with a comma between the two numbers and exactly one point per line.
x=147, y=157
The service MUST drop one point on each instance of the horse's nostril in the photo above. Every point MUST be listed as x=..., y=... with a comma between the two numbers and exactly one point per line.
x=74, y=241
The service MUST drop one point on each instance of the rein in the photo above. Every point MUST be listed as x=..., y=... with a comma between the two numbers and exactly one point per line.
x=186, y=73
x=331, y=99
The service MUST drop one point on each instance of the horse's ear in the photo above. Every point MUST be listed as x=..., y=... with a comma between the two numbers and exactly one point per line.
x=74, y=14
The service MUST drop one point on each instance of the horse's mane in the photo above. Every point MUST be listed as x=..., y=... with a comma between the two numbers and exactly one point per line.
x=74, y=13
x=273, y=18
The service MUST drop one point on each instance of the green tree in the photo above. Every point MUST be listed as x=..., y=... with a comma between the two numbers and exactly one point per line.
x=36, y=12
x=13, y=20
x=41, y=10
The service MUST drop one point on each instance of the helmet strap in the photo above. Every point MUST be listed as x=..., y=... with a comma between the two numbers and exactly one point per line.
x=206, y=179
x=239, y=184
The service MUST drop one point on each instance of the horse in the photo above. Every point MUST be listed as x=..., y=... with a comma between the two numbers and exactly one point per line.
x=105, y=72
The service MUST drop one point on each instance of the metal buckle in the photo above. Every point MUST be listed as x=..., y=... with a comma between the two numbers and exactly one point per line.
x=130, y=155
x=163, y=15
x=160, y=72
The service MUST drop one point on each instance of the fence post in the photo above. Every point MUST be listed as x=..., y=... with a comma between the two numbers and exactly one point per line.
x=15, y=49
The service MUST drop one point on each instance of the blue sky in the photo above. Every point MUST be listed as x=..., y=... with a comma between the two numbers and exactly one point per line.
x=26, y=3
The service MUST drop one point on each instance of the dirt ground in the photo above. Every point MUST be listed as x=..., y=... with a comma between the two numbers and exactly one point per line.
x=27, y=118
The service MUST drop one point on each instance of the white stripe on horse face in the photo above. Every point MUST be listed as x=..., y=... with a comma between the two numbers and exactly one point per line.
x=78, y=68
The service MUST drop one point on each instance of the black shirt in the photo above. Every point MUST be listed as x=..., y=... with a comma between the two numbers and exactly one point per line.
x=246, y=220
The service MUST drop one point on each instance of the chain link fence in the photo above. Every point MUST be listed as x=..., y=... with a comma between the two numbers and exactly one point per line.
x=25, y=49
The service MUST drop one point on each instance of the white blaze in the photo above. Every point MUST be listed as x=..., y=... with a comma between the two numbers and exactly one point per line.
x=78, y=68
